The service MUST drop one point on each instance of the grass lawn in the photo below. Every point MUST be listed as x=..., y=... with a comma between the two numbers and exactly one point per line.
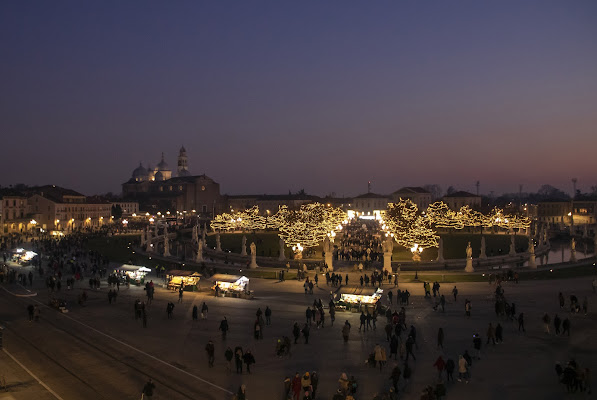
x=455, y=247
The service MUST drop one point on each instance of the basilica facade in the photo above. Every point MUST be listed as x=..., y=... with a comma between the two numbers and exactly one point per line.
x=156, y=189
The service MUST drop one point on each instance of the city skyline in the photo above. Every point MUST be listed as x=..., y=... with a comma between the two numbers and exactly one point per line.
x=271, y=98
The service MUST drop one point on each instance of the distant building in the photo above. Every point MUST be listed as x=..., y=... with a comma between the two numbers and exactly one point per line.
x=418, y=195
x=13, y=212
x=460, y=199
x=56, y=208
x=369, y=206
x=129, y=208
x=160, y=192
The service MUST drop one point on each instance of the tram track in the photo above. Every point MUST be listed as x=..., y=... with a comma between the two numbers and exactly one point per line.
x=170, y=385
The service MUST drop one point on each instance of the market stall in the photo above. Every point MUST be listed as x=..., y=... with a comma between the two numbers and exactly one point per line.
x=22, y=256
x=359, y=298
x=135, y=273
x=189, y=280
x=231, y=285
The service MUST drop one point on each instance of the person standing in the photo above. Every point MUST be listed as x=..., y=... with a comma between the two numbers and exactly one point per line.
x=491, y=334
x=409, y=348
x=455, y=293
x=249, y=360
x=546, y=322
x=180, y=292
x=395, y=377
x=238, y=359
x=561, y=299
x=440, y=338
x=521, y=322
x=557, y=322
x=228, y=354
x=268, y=316
x=195, y=313
x=498, y=333
x=242, y=393
x=467, y=307
x=210, y=349
x=148, y=389
x=477, y=345
x=30, y=309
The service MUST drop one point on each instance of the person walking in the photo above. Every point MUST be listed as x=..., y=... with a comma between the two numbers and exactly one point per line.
x=566, y=327
x=224, y=327
x=440, y=364
x=296, y=386
x=490, y=334
x=249, y=360
x=180, y=293
x=477, y=345
x=210, y=349
x=305, y=332
x=546, y=322
x=455, y=293
x=462, y=369
x=195, y=313
x=346, y=331
x=296, y=332
x=450, y=365
x=363, y=320
x=409, y=348
x=467, y=307
x=440, y=338
x=561, y=299
x=241, y=394
x=395, y=377
x=521, y=322
x=268, y=315
x=204, y=310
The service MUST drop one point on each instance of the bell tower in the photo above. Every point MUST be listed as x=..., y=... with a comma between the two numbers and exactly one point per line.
x=182, y=160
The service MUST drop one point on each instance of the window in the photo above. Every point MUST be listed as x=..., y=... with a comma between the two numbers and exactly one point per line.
x=204, y=209
x=202, y=188
x=180, y=188
x=161, y=188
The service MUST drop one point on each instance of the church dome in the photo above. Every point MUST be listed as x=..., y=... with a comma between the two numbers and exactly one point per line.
x=184, y=172
x=162, y=166
x=140, y=173
x=159, y=176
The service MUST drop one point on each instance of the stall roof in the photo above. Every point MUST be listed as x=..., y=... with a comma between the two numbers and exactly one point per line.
x=226, y=278
x=180, y=272
x=129, y=267
x=367, y=291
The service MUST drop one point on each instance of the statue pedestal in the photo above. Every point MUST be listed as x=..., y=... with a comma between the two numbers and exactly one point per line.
x=199, y=257
x=387, y=262
x=167, y=253
x=469, y=265
x=572, y=255
x=532, y=262
x=329, y=261
x=243, y=251
x=253, y=262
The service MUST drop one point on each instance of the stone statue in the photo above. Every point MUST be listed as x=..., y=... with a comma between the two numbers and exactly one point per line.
x=512, y=246
x=243, y=251
x=199, y=256
x=204, y=235
x=166, y=246
x=218, y=243
x=469, y=259
x=532, y=258
x=253, y=256
x=388, y=247
x=573, y=244
x=440, y=251
x=328, y=250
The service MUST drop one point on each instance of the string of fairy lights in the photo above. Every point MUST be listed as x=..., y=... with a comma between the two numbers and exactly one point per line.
x=308, y=225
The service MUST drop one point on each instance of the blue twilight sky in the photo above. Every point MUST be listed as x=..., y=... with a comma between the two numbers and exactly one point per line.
x=271, y=96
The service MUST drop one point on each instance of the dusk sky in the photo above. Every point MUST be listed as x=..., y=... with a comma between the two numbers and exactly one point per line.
x=274, y=96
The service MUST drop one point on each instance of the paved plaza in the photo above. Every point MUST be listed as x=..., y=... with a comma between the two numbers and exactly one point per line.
x=100, y=351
